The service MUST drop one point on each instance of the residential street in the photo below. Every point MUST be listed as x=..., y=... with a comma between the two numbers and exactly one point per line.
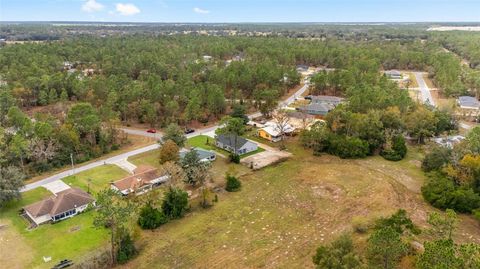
x=121, y=157
x=425, y=91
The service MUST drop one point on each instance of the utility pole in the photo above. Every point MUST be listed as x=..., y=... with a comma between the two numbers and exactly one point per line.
x=73, y=166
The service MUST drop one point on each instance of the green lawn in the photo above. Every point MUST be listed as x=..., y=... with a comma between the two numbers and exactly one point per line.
x=206, y=142
x=68, y=239
x=99, y=177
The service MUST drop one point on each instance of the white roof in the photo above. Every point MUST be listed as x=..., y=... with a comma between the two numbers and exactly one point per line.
x=272, y=129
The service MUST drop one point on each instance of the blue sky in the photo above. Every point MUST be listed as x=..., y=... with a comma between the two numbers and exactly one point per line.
x=240, y=10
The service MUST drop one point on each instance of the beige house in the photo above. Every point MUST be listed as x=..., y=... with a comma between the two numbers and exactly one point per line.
x=144, y=179
x=62, y=205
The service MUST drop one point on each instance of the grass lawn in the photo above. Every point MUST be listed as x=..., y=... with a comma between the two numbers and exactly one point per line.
x=284, y=212
x=70, y=238
x=99, y=177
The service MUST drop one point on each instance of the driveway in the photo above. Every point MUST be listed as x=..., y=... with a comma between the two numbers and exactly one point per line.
x=424, y=90
x=56, y=186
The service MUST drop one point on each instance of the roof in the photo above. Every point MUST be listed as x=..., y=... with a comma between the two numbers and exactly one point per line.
x=62, y=202
x=229, y=140
x=202, y=154
x=320, y=107
x=272, y=129
x=142, y=176
x=468, y=101
x=326, y=99
x=393, y=73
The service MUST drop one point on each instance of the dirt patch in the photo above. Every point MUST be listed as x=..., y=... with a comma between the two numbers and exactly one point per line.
x=266, y=158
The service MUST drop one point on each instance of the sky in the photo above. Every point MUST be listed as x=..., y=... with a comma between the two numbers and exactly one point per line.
x=241, y=10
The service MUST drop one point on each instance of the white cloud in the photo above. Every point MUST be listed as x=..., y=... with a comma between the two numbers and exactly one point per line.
x=127, y=9
x=200, y=11
x=92, y=6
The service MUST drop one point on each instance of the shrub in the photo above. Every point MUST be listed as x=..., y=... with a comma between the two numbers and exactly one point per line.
x=126, y=249
x=235, y=158
x=398, y=150
x=348, y=147
x=233, y=184
x=151, y=218
x=339, y=254
x=436, y=159
x=360, y=224
x=175, y=203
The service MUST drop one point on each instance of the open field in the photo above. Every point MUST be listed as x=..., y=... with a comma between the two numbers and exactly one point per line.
x=71, y=238
x=285, y=211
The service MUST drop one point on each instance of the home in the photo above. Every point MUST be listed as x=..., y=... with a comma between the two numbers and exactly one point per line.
x=393, y=74
x=317, y=109
x=203, y=155
x=273, y=132
x=325, y=99
x=144, y=179
x=235, y=144
x=207, y=58
x=62, y=205
x=448, y=141
x=468, y=102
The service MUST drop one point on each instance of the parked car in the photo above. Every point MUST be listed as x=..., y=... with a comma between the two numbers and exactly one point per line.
x=152, y=131
x=189, y=130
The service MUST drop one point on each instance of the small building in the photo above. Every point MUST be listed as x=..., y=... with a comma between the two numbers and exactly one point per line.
x=301, y=68
x=325, y=99
x=317, y=109
x=235, y=144
x=203, y=155
x=207, y=58
x=449, y=141
x=62, y=205
x=393, y=74
x=272, y=132
x=144, y=179
x=468, y=102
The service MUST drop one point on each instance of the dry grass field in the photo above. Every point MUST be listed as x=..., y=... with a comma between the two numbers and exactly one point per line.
x=285, y=211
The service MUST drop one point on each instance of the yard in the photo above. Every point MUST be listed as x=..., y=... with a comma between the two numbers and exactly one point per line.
x=71, y=238
x=98, y=179
x=68, y=239
x=284, y=212
x=206, y=142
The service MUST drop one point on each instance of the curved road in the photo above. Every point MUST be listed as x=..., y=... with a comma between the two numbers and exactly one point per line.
x=126, y=155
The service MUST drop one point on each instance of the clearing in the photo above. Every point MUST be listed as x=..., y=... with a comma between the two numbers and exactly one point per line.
x=284, y=212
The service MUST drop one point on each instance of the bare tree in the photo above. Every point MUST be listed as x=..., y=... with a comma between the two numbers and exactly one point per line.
x=282, y=123
x=175, y=172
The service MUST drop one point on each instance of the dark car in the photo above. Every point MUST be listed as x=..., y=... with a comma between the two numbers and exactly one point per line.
x=152, y=131
x=189, y=130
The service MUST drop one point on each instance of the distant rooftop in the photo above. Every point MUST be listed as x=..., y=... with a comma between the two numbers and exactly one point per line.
x=468, y=102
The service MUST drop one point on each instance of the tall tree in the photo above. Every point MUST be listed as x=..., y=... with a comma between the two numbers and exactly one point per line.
x=385, y=248
x=11, y=181
x=174, y=133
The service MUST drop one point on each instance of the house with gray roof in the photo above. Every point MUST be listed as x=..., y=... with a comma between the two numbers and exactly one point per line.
x=235, y=144
x=468, y=102
x=320, y=109
x=393, y=74
x=325, y=99
x=203, y=155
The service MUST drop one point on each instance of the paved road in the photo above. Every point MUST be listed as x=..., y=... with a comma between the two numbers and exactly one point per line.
x=426, y=96
x=123, y=156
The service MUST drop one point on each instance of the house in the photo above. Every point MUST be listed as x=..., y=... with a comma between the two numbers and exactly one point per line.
x=235, y=144
x=468, y=102
x=325, y=99
x=448, y=141
x=207, y=58
x=318, y=109
x=144, y=179
x=272, y=132
x=393, y=74
x=62, y=205
x=203, y=155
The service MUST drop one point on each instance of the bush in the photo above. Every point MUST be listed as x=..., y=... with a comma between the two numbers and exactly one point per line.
x=151, y=218
x=233, y=184
x=360, y=224
x=436, y=159
x=338, y=254
x=398, y=150
x=348, y=147
x=126, y=249
x=175, y=203
x=235, y=158
x=442, y=193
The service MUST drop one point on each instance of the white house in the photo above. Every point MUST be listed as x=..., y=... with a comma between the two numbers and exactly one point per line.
x=144, y=179
x=62, y=205
x=272, y=132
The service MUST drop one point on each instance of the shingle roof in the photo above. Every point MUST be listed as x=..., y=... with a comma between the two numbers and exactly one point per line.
x=62, y=202
x=230, y=140
x=325, y=99
x=320, y=107
x=202, y=154
x=142, y=176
